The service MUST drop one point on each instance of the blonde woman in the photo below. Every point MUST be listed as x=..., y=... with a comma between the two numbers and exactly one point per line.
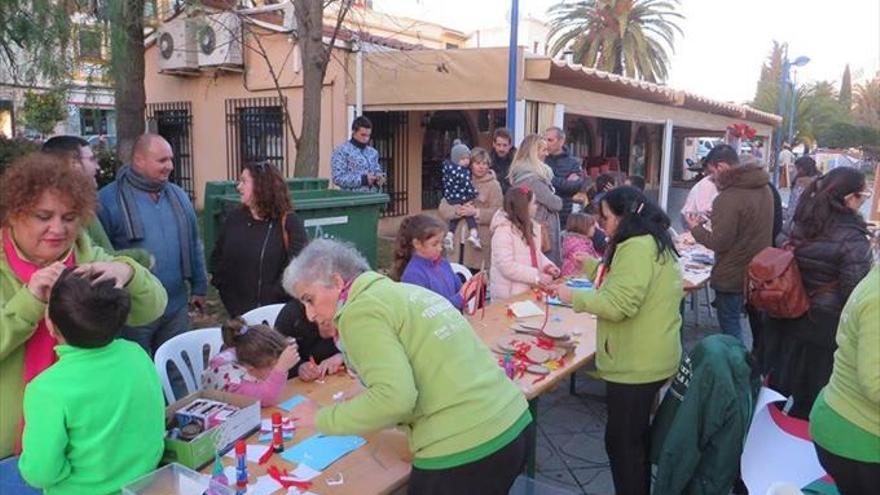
x=528, y=169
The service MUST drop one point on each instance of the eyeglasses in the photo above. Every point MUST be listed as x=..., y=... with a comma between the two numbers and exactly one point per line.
x=865, y=194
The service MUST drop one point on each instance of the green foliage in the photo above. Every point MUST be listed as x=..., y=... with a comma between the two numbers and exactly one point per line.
x=844, y=135
x=10, y=149
x=42, y=111
x=627, y=37
x=866, y=103
x=845, y=96
x=34, y=39
x=108, y=164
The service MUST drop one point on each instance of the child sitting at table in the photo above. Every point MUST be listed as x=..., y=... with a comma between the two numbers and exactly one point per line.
x=517, y=261
x=95, y=420
x=418, y=259
x=578, y=242
x=254, y=362
x=318, y=353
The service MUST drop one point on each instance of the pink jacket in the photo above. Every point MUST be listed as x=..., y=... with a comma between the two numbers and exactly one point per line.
x=573, y=244
x=512, y=272
x=226, y=374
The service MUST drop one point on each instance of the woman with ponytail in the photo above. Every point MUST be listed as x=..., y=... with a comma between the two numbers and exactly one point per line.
x=254, y=362
x=636, y=301
x=830, y=241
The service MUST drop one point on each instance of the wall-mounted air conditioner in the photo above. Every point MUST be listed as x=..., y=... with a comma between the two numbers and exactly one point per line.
x=177, y=46
x=219, y=40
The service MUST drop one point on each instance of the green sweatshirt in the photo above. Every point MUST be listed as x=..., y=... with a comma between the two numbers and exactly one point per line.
x=99, y=238
x=94, y=421
x=20, y=312
x=637, y=308
x=845, y=419
x=425, y=369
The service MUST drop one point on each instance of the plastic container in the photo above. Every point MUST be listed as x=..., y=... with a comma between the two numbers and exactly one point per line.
x=327, y=213
x=174, y=479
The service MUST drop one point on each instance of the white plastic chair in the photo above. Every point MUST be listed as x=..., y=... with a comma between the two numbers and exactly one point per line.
x=187, y=352
x=465, y=274
x=268, y=313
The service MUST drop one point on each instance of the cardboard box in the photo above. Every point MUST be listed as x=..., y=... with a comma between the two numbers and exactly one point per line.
x=200, y=451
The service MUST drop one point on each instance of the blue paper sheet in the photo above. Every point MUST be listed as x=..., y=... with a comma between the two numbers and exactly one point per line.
x=319, y=451
x=292, y=402
x=579, y=283
x=267, y=437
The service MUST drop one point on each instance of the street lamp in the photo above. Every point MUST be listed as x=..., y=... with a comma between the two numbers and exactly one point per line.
x=511, y=67
x=780, y=104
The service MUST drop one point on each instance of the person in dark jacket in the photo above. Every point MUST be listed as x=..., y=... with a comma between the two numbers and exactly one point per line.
x=742, y=225
x=568, y=177
x=699, y=429
x=319, y=355
x=502, y=154
x=253, y=246
x=833, y=254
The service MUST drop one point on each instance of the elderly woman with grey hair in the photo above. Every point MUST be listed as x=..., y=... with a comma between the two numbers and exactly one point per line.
x=423, y=367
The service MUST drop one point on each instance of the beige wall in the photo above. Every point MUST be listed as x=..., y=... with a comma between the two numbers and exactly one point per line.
x=209, y=91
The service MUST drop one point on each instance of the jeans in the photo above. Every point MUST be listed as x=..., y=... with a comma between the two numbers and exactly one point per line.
x=729, y=306
x=151, y=336
x=851, y=477
x=492, y=475
x=11, y=481
x=627, y=435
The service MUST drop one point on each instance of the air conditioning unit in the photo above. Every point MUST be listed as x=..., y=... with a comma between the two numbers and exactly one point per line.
x=219, y=41
x=177, y=46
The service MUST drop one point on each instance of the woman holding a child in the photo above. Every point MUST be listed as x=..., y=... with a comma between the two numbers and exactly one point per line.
x=43, y=205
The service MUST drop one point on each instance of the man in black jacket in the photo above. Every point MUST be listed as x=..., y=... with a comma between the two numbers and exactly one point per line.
x=568, y=177
x=502, y=156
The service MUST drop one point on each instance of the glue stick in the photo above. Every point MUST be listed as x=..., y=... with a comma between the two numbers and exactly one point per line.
x=277, y=438
x=241, y=474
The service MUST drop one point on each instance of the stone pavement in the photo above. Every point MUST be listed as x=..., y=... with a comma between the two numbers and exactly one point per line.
x=571, y=449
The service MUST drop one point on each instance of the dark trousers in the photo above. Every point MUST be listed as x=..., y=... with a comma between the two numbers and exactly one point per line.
x=471, y=223
x=851, y=477
x=627, y=435
x=492, y=475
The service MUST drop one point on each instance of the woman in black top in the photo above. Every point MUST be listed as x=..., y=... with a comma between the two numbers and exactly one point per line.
x=318, y=354
x=252, y=249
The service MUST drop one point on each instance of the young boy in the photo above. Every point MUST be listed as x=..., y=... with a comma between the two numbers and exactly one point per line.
x=95, y=420
x=459, y=190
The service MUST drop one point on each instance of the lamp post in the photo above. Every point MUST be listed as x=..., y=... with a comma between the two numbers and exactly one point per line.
x=780, y=105
x=511, y=66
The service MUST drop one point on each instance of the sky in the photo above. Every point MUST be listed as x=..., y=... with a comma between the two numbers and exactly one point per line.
x=725, y=42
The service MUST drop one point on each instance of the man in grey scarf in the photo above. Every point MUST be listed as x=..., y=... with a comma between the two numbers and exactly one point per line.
x=142, y=209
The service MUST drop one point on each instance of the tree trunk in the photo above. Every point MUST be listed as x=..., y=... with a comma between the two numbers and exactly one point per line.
x=309, y=16
x=127, y=68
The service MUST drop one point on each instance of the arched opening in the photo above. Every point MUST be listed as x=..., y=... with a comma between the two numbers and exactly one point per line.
x=442, y=129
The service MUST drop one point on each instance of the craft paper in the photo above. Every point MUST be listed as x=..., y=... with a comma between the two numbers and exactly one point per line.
x=254, y=452
x=292, y=402
x=579, y=283
x=772, y=454
x=555, y=301
x=526, y=309
x=319, y=451
x=304, y=473
x=264, y=485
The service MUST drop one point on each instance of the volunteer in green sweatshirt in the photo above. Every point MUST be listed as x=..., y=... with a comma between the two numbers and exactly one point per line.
x=845, y=420
x=95, y=420
x=423, y=368
x=636, y=302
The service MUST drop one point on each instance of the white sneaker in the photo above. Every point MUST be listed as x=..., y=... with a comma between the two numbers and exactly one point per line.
x=475, y=240
x=447, y=241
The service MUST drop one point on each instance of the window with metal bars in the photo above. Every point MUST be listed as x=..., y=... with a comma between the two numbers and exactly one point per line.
x=256, y=131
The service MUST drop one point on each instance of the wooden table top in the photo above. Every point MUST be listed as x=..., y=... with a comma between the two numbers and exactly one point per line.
x=383, y=464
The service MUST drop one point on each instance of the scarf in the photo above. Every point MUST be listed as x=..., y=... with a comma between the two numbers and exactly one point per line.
x=127, y=182
x=357, y=144
x=39, y=350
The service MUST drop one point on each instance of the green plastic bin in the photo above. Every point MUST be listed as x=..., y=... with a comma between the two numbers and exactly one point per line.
x=327, y=213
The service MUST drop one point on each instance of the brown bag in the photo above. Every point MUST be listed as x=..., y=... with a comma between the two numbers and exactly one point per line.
x=774, y=285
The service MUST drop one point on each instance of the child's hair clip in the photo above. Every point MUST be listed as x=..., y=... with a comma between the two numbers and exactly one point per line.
x=243, y=330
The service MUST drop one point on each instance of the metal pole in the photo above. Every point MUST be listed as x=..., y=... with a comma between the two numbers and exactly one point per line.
x=780, y=110
x=791, y=113
x=511, y=66
x=359, y=78
x=666, y=164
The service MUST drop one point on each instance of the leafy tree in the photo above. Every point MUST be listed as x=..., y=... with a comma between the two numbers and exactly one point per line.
x=626, y=37
x=845, y=96
x=866, y=103
x=844, y=135
x=43, y=111
x=34, y=39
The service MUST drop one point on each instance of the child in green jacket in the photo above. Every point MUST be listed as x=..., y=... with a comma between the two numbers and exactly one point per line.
x=94, y=421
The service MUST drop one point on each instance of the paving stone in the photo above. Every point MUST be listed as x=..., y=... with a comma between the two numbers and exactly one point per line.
x=581, y=450
x=595, y=481
x=562, y=478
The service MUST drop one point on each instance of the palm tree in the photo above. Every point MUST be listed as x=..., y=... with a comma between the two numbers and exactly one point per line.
x=626, y=37
x=866, y=103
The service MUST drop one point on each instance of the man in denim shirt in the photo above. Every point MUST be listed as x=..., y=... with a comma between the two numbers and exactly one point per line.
x=355, y=164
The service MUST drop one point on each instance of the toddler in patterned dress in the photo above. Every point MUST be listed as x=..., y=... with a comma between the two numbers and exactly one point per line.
x=254, y=362
x=577, y=241
x=459, y=190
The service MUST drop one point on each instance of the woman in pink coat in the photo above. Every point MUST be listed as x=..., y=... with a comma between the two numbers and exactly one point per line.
x=518, y=265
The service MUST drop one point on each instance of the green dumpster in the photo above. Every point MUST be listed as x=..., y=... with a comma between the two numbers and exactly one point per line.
x=327, y=213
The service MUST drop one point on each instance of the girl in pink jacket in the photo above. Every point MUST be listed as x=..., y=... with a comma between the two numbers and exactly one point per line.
x=254, y=362
x=518, y=264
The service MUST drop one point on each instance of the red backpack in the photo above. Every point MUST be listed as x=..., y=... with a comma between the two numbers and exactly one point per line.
x=774, y=285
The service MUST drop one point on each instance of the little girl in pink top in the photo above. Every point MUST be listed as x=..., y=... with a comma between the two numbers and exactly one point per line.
x=254, y=362
x=579, y=231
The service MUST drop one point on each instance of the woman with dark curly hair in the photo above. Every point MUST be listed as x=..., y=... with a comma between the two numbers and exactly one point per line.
x=256, y=242
x=43, y=206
